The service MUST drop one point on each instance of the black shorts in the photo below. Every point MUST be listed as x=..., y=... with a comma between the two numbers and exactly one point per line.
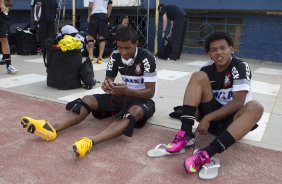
x=4, y=27
x=98, y=25
x=108, y=105
x=216, y=127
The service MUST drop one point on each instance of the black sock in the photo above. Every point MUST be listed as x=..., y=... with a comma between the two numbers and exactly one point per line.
x=187, y=119
x=7, y=58
x=219, y=144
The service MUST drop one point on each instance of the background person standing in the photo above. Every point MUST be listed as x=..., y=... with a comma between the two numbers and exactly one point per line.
x=177, y=27
x=99, y=12
x=4, y=29
x=35, y=18
x=49, y=9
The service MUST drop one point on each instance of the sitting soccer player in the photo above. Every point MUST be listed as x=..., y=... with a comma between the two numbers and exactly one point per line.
x=220, y=96
x=131, y=100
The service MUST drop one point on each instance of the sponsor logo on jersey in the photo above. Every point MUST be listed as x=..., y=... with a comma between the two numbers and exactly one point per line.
x=227, y=80
x=223, y=96
x=138, y=69
x=134, y=81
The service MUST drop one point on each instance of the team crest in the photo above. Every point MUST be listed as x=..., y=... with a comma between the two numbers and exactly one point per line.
x=227, y=80
x=138, y=68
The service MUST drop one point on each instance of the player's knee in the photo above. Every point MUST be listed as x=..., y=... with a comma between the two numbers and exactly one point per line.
x=254, y=108
x=136, y=111
x=4, y=40
x=91, y=101
x=128, y=131
x=75, y=105
x=199, y=76
x=90, y=43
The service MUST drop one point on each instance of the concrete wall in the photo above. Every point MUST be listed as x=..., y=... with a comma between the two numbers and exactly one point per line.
x=262, y=37
x=275, y=5
x=261, y=33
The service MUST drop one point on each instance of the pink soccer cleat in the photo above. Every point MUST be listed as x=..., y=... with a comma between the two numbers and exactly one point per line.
x=195, y=162
x=179, y=142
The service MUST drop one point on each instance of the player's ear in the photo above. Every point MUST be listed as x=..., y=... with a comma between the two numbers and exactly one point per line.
x=232, y=50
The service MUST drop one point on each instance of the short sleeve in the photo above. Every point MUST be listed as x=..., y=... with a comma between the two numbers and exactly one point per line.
x=163, y=11
x=241, y=74
x=112, y=67
x=149, y=64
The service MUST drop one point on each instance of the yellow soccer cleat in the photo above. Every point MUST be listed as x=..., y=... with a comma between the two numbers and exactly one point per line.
x=41, y=128
x=82, y=146
x=99, y=61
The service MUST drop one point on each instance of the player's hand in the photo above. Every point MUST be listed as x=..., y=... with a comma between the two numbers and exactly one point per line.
x=106, y=86
x=88, y=19
x=163, y=35
x=2, y=6
x=169, y=35
x=203, y=126
x=118, y=88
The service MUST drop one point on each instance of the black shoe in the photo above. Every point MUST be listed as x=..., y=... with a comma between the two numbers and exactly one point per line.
x=2, y=62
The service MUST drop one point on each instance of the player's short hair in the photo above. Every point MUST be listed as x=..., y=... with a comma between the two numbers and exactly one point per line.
x=125, y=34
x=218, y=36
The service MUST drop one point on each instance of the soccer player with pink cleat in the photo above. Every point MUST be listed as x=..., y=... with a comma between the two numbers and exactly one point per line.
x=219, y=96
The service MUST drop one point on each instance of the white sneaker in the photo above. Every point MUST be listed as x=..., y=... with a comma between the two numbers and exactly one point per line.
x=12, y=70
x=168, y=59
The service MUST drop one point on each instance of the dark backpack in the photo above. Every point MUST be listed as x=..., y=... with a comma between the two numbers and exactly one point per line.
x=25, y=42
x=87, y=74
x=165, y=49
x=63, y=68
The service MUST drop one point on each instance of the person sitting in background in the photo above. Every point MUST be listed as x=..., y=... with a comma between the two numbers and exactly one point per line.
x=110, y=45
x=123, y=21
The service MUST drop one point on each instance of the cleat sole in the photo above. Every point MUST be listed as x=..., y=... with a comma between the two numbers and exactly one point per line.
x=24, y=122
x=75, y=150
x=31, y=128
x=186, y=169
